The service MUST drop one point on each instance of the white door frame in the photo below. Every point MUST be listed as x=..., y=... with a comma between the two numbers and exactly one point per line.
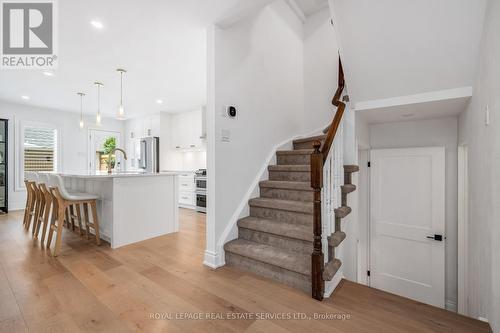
x=363, y=193
x=463, y=222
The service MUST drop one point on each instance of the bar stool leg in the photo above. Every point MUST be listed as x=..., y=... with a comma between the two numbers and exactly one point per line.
x=87, y=221
x=27, y=210
x=48, y=204
x=39, y=217
x=79, y=217
x=68, y=219
x=54, y=218
x=37, y=212
x=95, y=222
x=62, y=209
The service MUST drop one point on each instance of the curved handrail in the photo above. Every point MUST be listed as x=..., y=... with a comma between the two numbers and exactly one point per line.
x=332, y=129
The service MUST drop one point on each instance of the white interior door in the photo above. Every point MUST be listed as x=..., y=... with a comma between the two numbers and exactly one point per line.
x=407, y=208
x=96, y=141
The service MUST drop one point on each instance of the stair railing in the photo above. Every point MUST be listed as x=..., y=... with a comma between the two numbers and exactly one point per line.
x=324, y=167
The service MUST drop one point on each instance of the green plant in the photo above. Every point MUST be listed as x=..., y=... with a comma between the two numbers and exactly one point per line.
x=109, y=145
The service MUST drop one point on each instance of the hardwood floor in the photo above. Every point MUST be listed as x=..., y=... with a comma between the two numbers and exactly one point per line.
x=136, y=288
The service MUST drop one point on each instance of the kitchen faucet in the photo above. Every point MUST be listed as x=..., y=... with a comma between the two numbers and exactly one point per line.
x=109, y=157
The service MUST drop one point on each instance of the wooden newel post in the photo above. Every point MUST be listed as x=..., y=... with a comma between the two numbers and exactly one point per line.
x=317, y=257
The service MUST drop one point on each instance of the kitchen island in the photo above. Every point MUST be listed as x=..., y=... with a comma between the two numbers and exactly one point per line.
x=132, y=206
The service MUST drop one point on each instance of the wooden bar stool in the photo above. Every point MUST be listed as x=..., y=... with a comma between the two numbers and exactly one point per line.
x=40, y=205
x=29, y=210
x=43, y=219
x=63, y=200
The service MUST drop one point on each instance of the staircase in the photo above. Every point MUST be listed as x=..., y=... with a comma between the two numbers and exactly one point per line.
x=276, y=240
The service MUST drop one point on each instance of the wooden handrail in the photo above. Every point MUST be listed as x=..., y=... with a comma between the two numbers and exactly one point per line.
x=334, y=126
x=318, y=159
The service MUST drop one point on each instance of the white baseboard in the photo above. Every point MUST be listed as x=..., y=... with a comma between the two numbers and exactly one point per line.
x=213, y=260
x=450, y=305
x=16, y=206
x=483, y=319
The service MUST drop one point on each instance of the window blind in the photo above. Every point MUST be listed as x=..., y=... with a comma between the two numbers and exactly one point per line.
x=40, y=149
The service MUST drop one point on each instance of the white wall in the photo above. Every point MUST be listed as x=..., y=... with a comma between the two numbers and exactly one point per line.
x=320, y=71
x=74, y=142
x=427, y=133
x=257, y=66
x=483, y=143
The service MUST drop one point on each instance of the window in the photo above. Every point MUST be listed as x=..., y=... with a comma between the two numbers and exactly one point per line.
x=40, y=149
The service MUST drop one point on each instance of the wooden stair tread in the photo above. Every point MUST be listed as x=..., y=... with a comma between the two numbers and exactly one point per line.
x=288, y=205
x=292, y=261
x=288, y=185
x=284, y=229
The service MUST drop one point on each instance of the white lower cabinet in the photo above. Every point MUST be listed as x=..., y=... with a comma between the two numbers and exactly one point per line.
x=187, y=196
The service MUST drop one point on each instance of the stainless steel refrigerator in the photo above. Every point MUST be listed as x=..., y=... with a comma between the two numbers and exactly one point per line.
x=150, y=154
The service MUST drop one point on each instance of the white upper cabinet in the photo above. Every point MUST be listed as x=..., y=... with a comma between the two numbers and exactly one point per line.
x=187, y=130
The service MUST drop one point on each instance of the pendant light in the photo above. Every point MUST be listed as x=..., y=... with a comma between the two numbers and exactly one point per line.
x=121, y=110
x=82, y=124
x=98, y=85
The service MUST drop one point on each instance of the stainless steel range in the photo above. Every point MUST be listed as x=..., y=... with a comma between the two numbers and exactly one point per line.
x=201, y=190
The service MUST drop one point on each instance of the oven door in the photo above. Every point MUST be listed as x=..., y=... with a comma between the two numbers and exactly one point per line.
x=201, y=183
x=201, y=202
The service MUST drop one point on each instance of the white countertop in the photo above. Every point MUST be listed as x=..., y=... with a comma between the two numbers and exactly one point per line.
x=121, y=174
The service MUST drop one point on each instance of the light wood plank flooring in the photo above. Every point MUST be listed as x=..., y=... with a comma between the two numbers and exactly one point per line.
x=144, y=287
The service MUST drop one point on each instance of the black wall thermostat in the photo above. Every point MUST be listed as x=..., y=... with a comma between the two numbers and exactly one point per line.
x=231, y=111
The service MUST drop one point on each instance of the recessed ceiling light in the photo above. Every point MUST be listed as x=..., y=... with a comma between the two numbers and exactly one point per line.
x=407, y=115
x=48, y=73
x=25, y=97
x=159, y=101
x=97, y=24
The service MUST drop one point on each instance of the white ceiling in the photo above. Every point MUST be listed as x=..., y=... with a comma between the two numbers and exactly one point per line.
x=404, y=47
x=162, y=44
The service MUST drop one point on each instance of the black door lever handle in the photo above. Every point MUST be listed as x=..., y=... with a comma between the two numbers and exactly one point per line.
x=436, y=237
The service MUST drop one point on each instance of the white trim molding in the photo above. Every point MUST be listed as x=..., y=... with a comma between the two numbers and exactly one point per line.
x=213, y=260
x=433, y=96
x=18, y=171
